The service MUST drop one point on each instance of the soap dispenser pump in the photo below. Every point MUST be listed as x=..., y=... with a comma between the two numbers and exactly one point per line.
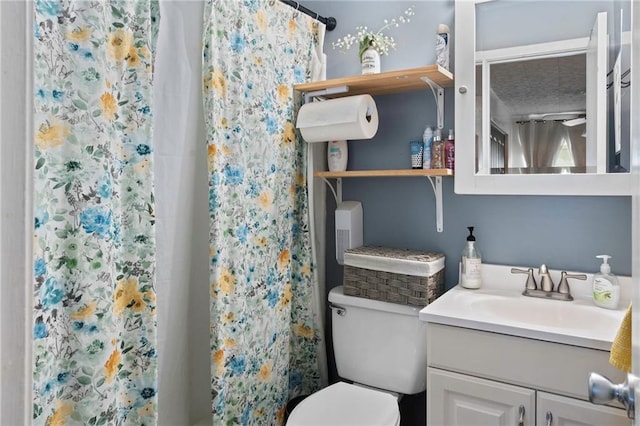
x=606, y=290
x=471, y=267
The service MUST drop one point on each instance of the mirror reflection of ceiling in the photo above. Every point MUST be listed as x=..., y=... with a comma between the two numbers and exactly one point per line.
x=541, y=86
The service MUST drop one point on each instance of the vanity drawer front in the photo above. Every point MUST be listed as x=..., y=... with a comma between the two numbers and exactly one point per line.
x=537, y=364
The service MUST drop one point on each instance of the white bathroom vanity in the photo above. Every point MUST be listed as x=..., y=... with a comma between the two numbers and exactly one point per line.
x=496, y=357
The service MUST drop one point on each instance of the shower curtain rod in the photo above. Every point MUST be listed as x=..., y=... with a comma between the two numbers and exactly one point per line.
x=330, y=22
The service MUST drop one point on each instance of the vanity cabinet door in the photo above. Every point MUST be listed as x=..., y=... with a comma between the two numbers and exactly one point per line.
x=459, y=400
x=569, y=411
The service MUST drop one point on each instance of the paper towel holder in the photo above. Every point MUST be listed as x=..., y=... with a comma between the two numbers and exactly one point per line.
x=338, y=118
x=325, y=92
x=368, y=114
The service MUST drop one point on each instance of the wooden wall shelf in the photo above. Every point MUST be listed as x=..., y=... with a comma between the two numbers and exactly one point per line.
x=407, y=80
x=432, y=77
x=384, y=173
x=433, y=175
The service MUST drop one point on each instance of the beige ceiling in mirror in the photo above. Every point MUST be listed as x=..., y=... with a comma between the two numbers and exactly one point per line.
x=541, y=86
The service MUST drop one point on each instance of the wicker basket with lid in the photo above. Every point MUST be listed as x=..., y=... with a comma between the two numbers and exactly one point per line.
x=394, y=275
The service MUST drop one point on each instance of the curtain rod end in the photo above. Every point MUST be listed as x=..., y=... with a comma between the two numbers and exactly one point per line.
x=331, y=23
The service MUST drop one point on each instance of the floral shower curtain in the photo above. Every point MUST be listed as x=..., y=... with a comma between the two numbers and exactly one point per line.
x=263, y=338
x=94, y=330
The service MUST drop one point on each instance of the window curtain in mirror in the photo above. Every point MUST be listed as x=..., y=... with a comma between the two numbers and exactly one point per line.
x=546, y=141
x=537, y=145
x=94, y=320
x=264, y=340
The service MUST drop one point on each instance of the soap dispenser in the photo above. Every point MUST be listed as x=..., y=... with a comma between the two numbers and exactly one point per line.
x=471, y=268
x=606, y=290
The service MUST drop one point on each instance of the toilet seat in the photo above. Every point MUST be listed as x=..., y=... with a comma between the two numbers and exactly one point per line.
x=346, y=405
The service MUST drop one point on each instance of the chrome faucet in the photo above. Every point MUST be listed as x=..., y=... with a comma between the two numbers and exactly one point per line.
x=546, y=283
x=546, y=290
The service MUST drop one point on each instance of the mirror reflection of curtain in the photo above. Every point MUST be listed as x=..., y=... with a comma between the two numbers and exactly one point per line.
x=540, y=142
x=525, y=145
x=578, y=144
x=547, y=140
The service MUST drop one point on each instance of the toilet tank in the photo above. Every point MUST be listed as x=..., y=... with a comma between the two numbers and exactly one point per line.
x=378, y=344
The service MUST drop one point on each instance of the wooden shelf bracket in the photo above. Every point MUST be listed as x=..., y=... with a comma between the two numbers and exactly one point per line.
x=438, y=95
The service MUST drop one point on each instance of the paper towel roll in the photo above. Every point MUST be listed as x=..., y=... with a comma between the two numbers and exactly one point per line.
x=351, y=117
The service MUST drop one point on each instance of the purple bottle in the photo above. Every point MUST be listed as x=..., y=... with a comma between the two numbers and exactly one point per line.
x=450, y=152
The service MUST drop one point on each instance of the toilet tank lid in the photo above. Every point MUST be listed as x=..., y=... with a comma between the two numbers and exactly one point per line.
x=346, y=404
x=337, y=296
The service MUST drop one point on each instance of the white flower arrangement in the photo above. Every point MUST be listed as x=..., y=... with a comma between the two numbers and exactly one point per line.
x=366, y=38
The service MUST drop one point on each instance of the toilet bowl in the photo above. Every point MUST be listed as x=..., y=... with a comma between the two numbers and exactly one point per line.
x=344, y=404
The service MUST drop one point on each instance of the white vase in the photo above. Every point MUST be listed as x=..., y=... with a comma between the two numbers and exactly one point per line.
x=370, y=61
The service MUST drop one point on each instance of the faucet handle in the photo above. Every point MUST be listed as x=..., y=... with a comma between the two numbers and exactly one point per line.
x=531, y=281
x=563, y=287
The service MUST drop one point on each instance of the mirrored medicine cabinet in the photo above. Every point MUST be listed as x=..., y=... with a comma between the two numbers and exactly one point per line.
x=542, y=97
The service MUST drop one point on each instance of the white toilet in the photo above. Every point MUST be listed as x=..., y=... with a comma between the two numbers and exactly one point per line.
x=382, y=348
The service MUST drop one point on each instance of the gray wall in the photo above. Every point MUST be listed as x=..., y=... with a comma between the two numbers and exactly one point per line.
x=563, y=232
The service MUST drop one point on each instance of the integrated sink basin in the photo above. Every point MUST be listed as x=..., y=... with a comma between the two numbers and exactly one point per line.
x=500, y=307
x=545, y=313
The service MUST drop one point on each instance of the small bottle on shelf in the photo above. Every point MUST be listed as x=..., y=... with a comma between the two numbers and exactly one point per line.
x=437, y=151
x=416, y=154
x=427, y=139
x=450, y=152
x=442, y=46
x=337, y=155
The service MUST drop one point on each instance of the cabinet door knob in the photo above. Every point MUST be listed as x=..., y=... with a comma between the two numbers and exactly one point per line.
x=549, y=418
x=462, y=90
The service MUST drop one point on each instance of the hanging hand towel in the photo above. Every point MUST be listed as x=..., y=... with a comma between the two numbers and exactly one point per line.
x=621, y=348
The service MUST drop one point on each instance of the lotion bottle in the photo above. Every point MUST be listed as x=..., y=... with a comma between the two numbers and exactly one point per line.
x=606, y=289
x=337, y=155
x=471, y=268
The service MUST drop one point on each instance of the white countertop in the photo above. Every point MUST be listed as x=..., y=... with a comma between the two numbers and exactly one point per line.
x=500, y=307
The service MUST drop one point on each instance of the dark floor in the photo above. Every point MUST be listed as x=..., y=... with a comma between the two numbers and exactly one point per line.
x=413, y=410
